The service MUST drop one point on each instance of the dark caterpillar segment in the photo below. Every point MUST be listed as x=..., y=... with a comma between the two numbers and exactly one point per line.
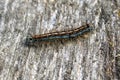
x=59, y=35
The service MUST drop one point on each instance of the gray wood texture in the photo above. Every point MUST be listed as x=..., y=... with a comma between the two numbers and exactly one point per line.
x=95, y=56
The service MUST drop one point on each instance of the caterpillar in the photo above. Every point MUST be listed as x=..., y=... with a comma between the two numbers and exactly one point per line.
x=58, y=35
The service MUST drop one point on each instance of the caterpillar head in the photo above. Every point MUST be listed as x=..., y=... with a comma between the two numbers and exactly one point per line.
x=29, y=41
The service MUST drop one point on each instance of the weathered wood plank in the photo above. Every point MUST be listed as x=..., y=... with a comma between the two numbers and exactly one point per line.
x=95, y=56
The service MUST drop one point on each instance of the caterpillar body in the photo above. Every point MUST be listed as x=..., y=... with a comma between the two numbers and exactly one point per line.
x=58, y=35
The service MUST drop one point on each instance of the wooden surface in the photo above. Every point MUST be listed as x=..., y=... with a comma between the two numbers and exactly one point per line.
x=96, y=57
